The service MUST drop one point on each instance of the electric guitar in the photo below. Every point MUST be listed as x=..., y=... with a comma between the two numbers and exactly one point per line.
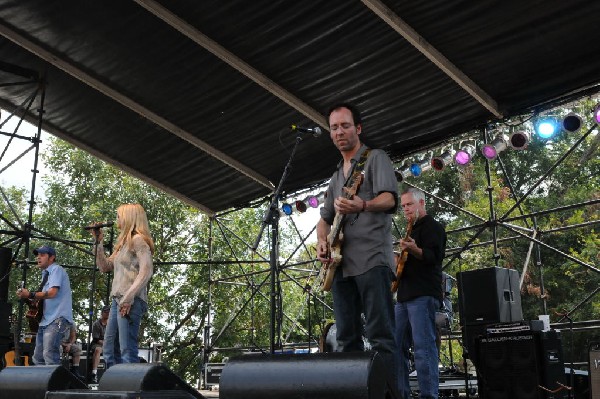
x=401, y=259
x=335, y=238
x=35, y=313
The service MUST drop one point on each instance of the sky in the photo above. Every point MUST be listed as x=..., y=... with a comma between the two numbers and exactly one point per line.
x=20, y=172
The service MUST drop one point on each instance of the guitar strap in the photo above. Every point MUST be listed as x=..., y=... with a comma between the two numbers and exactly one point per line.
x=44, y=279
x=358, y=167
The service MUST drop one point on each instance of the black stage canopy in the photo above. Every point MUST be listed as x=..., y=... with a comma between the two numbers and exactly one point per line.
x=197, y=97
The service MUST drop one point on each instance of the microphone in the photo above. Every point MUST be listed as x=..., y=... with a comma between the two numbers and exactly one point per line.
x=315, y=131
x=97, y=226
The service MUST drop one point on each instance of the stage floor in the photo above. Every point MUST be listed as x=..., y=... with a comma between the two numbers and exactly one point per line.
x=451, y=386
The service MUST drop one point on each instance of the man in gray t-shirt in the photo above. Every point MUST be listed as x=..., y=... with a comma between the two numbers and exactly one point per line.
x=362, y=282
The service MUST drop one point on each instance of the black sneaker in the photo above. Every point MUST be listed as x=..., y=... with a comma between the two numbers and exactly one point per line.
x=94, y=379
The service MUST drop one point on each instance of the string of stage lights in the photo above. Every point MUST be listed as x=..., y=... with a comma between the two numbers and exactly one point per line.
x=544, y=127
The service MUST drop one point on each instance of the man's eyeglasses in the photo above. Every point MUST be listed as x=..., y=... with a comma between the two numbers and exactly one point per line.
x=344, y=126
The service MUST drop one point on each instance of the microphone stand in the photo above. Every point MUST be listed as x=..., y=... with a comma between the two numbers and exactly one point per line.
x=91, y=312
x=272, y=218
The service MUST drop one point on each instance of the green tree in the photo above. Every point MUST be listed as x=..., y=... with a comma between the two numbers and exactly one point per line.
x=571, y=182
x=195, y=257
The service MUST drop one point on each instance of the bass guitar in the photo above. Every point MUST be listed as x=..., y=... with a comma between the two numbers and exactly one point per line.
x=401, y=259
x=335, y=238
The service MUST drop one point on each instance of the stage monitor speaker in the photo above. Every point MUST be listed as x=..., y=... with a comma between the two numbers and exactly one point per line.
x=594, y=367
x=5, y=312
x=118, y=395
x=489, y=295
x=524, y=365
x=143, y=377
x=5, y=258
x=344, y=375
x=23, y=382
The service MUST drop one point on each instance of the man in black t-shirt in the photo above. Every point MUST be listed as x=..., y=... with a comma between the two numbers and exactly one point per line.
x=98, y=329
x=419, y=296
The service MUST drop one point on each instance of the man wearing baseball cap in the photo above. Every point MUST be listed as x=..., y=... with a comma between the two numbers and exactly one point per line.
x=54, y=293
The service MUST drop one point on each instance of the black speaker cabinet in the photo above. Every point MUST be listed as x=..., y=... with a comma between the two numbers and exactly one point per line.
x=472, y=333
x=5, y=258
x=75, y=394
x=579, y=380
x=594, y=367
x=489, y=295
x=344, y=375
x=143, y=377
x=32, y=382
x=5, y=312
x=518, y=365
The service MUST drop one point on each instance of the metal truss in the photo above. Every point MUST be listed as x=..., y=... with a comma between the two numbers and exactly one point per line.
x=300, y=275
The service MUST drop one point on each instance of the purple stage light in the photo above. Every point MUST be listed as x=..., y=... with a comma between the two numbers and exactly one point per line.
x=313, y=201
x=464, y=155
x=489, y=151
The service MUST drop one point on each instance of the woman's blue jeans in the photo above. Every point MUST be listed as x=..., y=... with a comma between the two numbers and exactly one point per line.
x=121, y=335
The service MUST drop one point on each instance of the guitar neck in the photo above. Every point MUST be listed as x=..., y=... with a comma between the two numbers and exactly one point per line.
x=336, y=227
x=348, y=193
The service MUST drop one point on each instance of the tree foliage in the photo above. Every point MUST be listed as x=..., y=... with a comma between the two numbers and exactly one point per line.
x=209, y=286
x=553, y=283
x=206, y=280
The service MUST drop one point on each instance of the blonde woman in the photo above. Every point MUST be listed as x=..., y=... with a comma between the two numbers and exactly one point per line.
x=131, y=263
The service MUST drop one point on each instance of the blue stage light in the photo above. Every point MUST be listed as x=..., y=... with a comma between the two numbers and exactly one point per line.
x=546, y=128
x=415, y=169
x=287, y=209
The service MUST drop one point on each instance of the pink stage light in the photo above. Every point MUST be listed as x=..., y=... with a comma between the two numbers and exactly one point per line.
x=464, y=155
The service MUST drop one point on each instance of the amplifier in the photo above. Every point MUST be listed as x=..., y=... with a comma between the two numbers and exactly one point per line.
x=212, y=374
x=85, y=366
x=524, y=365
x=514, y=327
